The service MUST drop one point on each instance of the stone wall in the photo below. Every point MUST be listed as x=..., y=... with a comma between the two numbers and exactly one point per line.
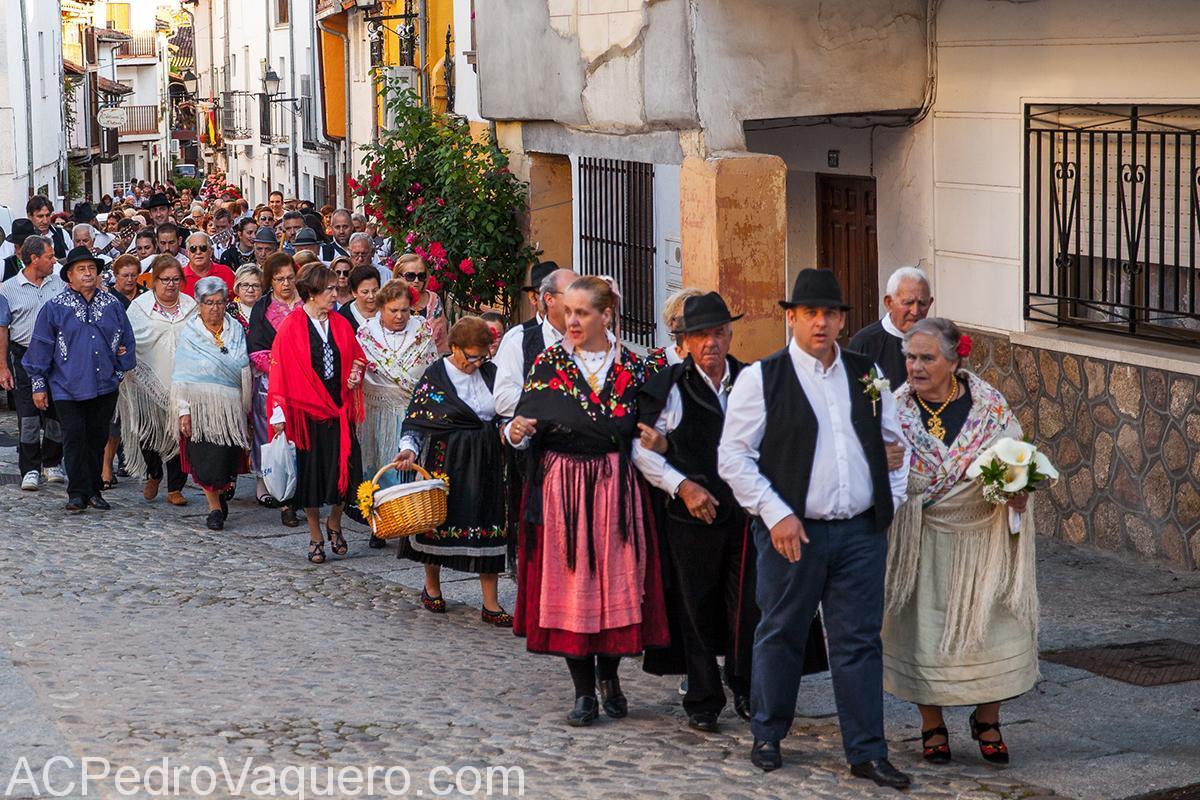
x=1126, y=440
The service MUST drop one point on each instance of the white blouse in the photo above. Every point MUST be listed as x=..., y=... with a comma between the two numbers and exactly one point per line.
x=471, y=389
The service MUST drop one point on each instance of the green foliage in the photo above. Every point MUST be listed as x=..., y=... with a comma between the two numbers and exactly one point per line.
x=75, y=182
x=438, y=192
x=183, y=182
x=70, y=84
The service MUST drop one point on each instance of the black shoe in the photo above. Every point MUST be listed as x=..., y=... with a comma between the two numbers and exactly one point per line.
x=613, y=699
x=76, y=504
x=375, y=543
x=936, y=753
x=882, y=772
x=96, y=501
x=288, y=517
x=765, y=755
x=224, y=501
x=216, y=520
x=995, y=752
x=585, y=712
x=705, y=721
x=741, y=705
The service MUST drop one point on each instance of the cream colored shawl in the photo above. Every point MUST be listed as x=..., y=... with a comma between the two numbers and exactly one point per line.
x=148, y=417
x=990, y=564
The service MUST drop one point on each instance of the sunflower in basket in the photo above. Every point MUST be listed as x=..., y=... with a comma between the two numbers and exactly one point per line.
x=443, y=477
x=366, y=497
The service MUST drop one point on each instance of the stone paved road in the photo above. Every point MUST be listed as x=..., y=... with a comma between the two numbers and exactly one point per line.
x=137, y=634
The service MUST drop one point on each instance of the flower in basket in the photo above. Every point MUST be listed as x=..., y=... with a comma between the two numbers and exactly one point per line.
x=443, y=477
x=1009, y=468
x=875, y=385
x=366, y=497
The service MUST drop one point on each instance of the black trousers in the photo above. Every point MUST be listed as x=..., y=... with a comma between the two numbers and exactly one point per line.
x=39, y=431
x=176, y=477
x=706, y=570
x=85, y=431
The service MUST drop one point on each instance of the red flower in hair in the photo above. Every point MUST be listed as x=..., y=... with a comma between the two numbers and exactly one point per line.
x=964, y=346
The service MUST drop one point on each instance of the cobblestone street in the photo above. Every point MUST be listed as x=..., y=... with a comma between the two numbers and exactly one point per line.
x=136, y=634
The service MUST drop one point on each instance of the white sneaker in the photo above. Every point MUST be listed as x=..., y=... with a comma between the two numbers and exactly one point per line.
x=55, y=475
x=31, y=481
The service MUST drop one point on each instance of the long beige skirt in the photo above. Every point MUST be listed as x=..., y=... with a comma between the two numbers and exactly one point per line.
x=1006, y=665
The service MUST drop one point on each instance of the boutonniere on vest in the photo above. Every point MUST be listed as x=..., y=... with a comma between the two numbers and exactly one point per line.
x=875, y=387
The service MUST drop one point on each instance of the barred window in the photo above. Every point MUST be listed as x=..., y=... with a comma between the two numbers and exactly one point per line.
x=1111, y=211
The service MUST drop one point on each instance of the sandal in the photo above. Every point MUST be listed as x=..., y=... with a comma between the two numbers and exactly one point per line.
x=337, y=542
x=995, y=752
x=111, y=483
x=936, y=753
x=316, y=552
x=435, y=604
x=501, y=618
x=268, y=501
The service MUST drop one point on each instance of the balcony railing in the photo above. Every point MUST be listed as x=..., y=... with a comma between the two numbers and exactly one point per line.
x=141, y=44
x=235, y=115
x=274, y=121
x=140, y=121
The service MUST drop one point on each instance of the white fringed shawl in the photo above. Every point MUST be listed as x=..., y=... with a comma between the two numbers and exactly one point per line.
x=392, y=375
x=989, y=563
x=214, y=385
x=147, y=414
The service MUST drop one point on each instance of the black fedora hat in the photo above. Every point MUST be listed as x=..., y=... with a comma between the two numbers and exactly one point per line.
x=702, y=312
x=158, y=200
x=83, y=213
x=306, y=236
x=816, y=288
x=265, y=235
x=538, y=274
x=74, y=257
x=22, y=230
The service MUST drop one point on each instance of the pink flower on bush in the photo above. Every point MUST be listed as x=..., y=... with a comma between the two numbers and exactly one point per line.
x=416, y=187
x=433, y=284
x=410, y=208
x=437, y=252
x=466, y=266
x=420, y=201
x=421, y=252
x=412, y=237
x=440, y=202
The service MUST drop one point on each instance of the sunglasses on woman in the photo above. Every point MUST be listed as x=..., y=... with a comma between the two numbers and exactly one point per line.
x=342, y=272
x=414, y=277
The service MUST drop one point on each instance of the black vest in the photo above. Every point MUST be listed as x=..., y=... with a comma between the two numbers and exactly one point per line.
x=693, y=445
x=533, y=342
x=789, y=442
x=12, y=265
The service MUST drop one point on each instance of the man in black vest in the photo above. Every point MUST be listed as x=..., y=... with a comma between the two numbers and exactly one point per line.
x=39, y=211
x=22, y=230
x=803, y=451
x=907, y=302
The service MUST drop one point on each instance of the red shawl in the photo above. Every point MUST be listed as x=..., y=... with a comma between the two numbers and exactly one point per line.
x=296, y=387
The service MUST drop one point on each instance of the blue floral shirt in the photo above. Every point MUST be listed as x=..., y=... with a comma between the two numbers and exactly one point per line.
x=73, y=352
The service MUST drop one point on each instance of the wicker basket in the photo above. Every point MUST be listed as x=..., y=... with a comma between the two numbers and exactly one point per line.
x=409, y=507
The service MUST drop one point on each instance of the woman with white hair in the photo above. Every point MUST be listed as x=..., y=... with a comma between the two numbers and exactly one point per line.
x=147, y=416
x=210, y=389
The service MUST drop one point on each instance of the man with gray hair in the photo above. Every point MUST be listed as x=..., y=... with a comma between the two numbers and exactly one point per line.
x=523, y=343
x=362, y=254
x=200, y=264
x=907, y=301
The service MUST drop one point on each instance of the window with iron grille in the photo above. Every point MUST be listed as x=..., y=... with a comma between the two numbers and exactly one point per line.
x=616, y=237
x=1113, y=218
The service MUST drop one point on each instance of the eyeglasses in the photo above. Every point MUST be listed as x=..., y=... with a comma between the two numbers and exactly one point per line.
x=413, y=277
x=170, y=280
x=213, y=303
x=483, y=359
x=284, y=279
x=342, y=272
x=200, y=248
x=245, y=287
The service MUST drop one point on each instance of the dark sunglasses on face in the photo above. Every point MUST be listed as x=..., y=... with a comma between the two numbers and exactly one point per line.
x=413, y=277
x=342, y=271
x=197, y=248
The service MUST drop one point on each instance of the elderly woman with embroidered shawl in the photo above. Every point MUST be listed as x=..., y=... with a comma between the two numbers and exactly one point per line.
x=960, y=626
x=211, y=390
x=398, y=346
x=148, y=420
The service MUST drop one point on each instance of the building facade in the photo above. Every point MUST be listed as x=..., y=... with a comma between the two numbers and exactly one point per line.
x=1037, y=159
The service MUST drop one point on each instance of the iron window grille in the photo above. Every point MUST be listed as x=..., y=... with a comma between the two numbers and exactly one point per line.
x=1112, y=212
x=616, y=237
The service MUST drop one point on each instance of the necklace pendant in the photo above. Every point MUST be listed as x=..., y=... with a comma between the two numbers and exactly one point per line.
x=593, y=382
x=936, y=428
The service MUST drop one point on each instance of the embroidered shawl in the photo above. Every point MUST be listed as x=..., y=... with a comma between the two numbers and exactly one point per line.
x=213, y=383
x=145, y=408
x=397, y=369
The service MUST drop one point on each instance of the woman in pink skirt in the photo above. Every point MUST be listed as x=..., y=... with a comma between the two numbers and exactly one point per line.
x=590, y=585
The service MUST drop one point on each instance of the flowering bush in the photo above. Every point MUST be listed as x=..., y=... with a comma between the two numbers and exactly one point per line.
x=448, y=198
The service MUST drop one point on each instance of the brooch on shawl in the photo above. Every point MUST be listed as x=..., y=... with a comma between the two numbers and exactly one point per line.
x=875, y=387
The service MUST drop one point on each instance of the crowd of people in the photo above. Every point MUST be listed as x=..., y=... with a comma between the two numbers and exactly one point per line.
x=738, y=524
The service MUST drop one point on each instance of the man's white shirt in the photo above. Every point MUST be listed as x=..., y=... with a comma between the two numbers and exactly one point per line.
x=840, y=487
x=510, y=366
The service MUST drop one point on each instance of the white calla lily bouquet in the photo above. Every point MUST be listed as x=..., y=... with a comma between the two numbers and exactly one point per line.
x=1009, y=468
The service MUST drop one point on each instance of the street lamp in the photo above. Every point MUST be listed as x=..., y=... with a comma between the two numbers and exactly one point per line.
x=271, y=83
x=365, y=5
x=190, y=82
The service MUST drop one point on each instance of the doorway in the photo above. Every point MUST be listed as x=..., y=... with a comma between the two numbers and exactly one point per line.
x=846, y=224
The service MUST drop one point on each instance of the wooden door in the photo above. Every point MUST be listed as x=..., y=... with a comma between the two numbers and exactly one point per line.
x=846, y=220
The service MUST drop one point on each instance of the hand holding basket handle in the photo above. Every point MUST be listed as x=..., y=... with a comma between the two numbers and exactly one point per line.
x=405, y=461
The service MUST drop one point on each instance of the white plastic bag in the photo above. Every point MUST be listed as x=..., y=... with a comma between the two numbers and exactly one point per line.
x=278, y=464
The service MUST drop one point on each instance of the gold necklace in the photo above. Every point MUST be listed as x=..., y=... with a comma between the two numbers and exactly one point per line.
x=592, y=375
x=936, y=428
x=217, y=337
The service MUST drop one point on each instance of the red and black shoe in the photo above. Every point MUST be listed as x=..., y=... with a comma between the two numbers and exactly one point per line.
x=435, y=604
x=936, y=753
x=995, y=752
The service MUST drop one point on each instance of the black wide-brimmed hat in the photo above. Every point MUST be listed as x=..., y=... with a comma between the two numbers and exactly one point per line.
x=157, y=200
x=22, y=230
x=816, y=288
x=538, y=274
x=77, y=255
x=83, y=213
x=702, y=312
x=265, y=235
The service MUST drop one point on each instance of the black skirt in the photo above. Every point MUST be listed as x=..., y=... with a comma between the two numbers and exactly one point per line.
x=213, y=466
x=317, y=468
